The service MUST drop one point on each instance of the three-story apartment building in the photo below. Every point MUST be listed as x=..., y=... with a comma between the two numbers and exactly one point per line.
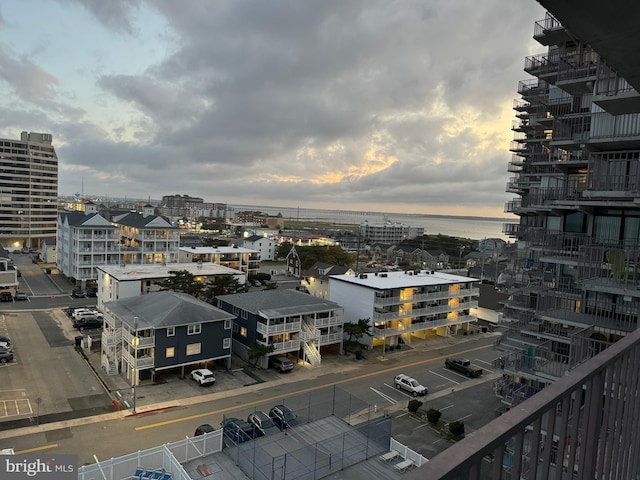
x=289, y=320
x=86, y=240
x=400, y=305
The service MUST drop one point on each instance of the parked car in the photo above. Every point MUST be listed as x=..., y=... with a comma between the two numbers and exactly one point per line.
x=78, y=293
x=84, y=312
x=88, y=322
x=239, y=431
x=4, y=339
x=462, y=365
x=92, y=292
x=283, y=364
x=409, y=384
x=202, y=429
x=263, y=422
x=283, y=417
x=6, y=356
x=21, y=296
x=6, y=297
x=6, y=349
x=203, y=376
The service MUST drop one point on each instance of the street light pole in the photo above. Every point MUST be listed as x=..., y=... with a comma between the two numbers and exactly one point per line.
x=135, y=341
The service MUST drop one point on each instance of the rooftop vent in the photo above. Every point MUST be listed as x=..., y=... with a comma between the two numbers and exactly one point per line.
x=363, y=275
x=383, y=275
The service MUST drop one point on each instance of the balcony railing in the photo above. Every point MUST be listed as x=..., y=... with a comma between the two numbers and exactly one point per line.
x=420, y=312
x=578, y=427
x=331, y=338
x=328, y=321
x=425, y=297
x=422, y=325
x=288, y=346
x=143, y=342
x=143, y=362
x=614, y=172
x=274, y=329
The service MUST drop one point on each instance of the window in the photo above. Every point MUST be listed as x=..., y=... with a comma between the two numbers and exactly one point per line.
x=243, y=314
x=243, y=331
x=226, y=343
x=171, y=331
x=235, y=311
x=193, y=348
x=194, y=329
x=227, y=324
x=235, y=327
x=170, y=352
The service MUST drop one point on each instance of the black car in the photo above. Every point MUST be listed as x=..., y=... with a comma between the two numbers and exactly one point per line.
x=92, y=292
x=239, y=431
x=87, y=323
x=6, y=297
x=202, y=429
x=78, y=293
x=283, y=417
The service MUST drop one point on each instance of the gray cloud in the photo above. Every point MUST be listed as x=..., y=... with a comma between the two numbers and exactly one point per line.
x=310, y=103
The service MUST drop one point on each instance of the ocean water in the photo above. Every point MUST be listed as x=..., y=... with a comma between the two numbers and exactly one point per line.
x=476, y=228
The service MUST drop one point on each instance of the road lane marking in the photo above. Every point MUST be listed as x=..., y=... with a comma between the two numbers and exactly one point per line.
x=304, y=390
x=36, y=449
x=442, y=376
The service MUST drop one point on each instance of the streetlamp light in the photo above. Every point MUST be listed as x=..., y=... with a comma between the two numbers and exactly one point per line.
x=135, y=341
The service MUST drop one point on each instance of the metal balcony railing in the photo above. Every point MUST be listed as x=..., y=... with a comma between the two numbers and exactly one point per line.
x=274, y=329
x=577, y=424
x=543, y=64
x=616, y=171
x=548, y=23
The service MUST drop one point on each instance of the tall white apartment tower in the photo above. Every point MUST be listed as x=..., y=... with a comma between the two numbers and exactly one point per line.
x=28, y=190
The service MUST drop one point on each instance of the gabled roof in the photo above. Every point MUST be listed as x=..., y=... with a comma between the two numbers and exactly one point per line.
x=406, y=248
x=437, y=253
x=80, y=219
x=137, y=220
x=165, y=309
x=278, y=303
x=326, y=268
x=254, y=238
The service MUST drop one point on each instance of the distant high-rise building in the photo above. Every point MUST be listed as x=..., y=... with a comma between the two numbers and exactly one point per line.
x=28, y=190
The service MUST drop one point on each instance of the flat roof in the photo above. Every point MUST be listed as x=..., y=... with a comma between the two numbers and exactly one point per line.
x=210, y=250
x=387, y=280
x=157, y=270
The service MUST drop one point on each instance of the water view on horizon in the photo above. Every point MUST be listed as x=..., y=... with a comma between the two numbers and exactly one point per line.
x=476, y=228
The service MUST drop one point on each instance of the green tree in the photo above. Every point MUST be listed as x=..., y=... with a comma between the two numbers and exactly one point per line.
x=358, y=329
x=221, y=285
x=182, y=281
x=433, y=415
x=257, y=351
x=414, y=405
x=283, y=249
x=456, y=429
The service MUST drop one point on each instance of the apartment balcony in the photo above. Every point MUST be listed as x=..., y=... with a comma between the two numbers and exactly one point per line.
x=143, y=362
x=274, y=329
x=513, y=206
x=143, y=342
x=283, y=347
x=550, y=31
x=512, y=229
x=328, y=321
x=330, y=338
x=614, y=94
x=417, y=326
x=518, y=147
x=614, y=175
x=308, y=334
x=577, y=72
x=521, y=105
x=574, y=424
x=426, y=297
x=544, y=66
x=610, y=266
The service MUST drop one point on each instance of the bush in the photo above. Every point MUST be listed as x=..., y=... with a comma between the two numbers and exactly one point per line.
x=414, y=405
x=433, y=415
x=456, y=429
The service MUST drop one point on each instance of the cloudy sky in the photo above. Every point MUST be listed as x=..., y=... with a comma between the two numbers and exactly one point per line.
x=377, y=105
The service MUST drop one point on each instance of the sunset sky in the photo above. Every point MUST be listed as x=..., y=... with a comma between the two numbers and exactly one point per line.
x=396, y=106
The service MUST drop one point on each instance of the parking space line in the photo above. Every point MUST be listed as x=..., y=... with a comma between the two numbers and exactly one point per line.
x=442, y=376
x=399, y=390
x=485, y=368
x=448, y=406
x=383, y=395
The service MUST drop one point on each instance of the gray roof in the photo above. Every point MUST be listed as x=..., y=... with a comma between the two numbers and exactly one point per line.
x=165, y=309
x=78, y=219
x=254, y=238
x=138, y=220
x=279, y=303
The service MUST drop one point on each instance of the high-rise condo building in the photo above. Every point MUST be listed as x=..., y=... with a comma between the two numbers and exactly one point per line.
x=28, y=190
